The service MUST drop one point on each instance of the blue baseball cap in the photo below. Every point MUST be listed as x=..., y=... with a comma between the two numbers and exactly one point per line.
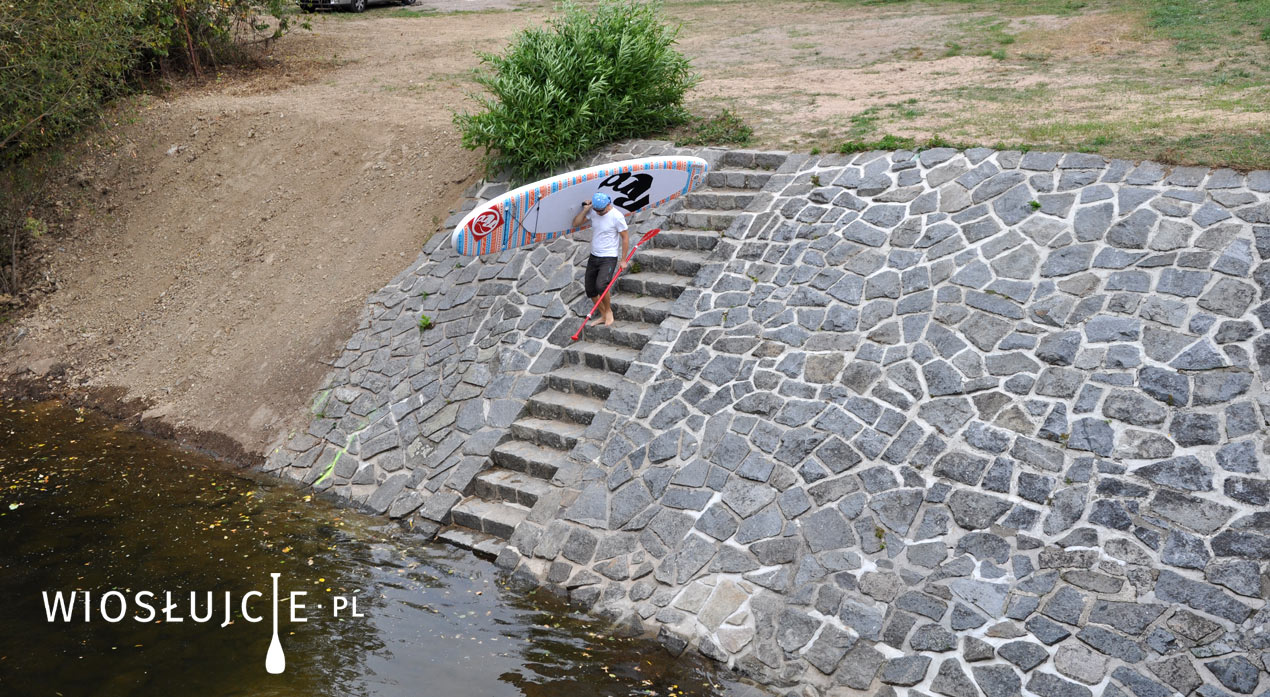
x=600, y=201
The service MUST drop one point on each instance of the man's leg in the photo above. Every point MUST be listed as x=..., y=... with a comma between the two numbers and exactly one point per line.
x=606, y=275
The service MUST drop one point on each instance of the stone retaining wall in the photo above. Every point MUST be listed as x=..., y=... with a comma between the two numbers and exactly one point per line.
x=954, y=422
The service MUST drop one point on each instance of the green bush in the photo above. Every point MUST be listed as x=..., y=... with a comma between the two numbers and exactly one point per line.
x=61, y=62
x=590, y=78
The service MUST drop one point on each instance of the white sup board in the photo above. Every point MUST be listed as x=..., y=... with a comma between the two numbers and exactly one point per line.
x=544, y=210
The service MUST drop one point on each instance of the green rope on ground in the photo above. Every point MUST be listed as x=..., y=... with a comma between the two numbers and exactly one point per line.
x=331, y=467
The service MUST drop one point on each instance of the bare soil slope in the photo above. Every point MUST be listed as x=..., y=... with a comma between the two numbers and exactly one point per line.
x=227, y=238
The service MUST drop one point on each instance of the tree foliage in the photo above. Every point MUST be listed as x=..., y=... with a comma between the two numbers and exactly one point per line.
x=589, y=78
x=59, y=61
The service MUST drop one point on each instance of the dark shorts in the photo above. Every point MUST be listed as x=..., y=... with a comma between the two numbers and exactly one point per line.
x=599, y=271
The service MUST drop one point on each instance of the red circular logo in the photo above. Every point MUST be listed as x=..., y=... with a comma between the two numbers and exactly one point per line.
x=485, y=223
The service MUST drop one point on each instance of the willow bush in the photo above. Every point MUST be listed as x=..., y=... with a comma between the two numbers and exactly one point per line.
x=588, y=78
x=60, y=62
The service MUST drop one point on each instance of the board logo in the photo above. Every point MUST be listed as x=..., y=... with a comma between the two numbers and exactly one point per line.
x=631, y=187
x=485, y=223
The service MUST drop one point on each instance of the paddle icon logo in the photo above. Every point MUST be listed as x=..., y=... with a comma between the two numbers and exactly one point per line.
x=167, y=608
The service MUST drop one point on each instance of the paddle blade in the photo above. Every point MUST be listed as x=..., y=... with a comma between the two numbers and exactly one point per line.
x=648, y=236
x=275, y=660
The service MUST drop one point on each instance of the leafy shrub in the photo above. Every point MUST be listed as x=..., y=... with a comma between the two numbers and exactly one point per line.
x=591, y=78
x=63, y=61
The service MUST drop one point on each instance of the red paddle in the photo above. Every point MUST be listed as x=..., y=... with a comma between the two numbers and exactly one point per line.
x=647, y=236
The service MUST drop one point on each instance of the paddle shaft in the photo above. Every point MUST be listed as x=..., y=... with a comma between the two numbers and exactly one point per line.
x=617, y=272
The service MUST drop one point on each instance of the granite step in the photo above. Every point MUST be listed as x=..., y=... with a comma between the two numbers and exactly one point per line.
x=721, y=198
x=529, y=458
x=650, y=311
x=602, y=356
x=563, y=406
x=753, y=179
x=702, y=219
x=754, y=159
x=699, y=240
x=681, y=262
x=623, y=332
x=497, y=518
x=548, y=433
x=583, y=380
x=479, y=542
x=509, y=485
x=658, y=285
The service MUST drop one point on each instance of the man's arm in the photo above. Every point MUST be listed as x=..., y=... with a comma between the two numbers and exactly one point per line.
x=626, y=243
x=581, y=216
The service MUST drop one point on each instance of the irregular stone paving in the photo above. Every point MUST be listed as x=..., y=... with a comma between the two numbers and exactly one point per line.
x=957, y=423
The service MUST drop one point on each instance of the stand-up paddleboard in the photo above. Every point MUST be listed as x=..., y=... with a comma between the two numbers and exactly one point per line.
x=544, y=210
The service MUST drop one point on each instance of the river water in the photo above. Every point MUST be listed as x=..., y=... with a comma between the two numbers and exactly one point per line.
x=87, y=507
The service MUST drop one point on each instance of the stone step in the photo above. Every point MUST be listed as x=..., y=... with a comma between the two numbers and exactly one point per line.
x=698, y=240
x=624, y=332
x=497, y=518
x=583, y=380
x=681, y=262
x=616, y=359
x=702, y=220
x=478, y=542
x=645, y=310
x=548, y=433
x=753, y=179
x=563, y=406
x=722, y=198
x=659, y=285
x=753, y=159
x=523, y=456
x=509, y=485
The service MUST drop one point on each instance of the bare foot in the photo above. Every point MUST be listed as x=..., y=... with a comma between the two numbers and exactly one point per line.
x=608, y=319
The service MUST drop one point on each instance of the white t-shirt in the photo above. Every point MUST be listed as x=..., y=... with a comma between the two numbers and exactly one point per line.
x=606, y=239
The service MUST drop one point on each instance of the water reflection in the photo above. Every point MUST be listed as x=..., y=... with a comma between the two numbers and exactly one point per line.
x=85, y=506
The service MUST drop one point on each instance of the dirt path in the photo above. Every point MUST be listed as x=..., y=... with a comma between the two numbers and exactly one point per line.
x=222, y=241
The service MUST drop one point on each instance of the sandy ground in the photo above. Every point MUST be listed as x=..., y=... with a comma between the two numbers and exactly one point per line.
x=215, y=246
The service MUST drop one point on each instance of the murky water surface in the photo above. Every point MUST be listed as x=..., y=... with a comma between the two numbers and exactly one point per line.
x=86, y=506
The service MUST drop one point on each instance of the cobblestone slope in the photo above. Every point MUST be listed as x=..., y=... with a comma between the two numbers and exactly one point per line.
x=952, y=422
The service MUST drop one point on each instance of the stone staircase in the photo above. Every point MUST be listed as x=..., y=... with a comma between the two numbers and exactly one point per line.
x=521, y=468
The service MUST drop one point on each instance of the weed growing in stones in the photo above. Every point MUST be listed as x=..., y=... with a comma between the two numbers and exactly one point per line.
x=725, y=129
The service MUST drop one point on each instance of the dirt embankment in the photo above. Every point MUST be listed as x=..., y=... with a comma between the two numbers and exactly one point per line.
x=223, y=242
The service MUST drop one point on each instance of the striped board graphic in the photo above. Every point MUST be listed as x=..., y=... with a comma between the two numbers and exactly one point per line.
x=544, y=210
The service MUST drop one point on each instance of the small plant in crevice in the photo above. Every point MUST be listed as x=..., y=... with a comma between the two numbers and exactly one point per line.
x=634, y=267
x=1036, y=205
x=815, y=180
x=425, y=323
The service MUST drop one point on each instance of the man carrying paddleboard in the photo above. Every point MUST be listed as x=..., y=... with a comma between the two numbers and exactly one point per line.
x=609, y=243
